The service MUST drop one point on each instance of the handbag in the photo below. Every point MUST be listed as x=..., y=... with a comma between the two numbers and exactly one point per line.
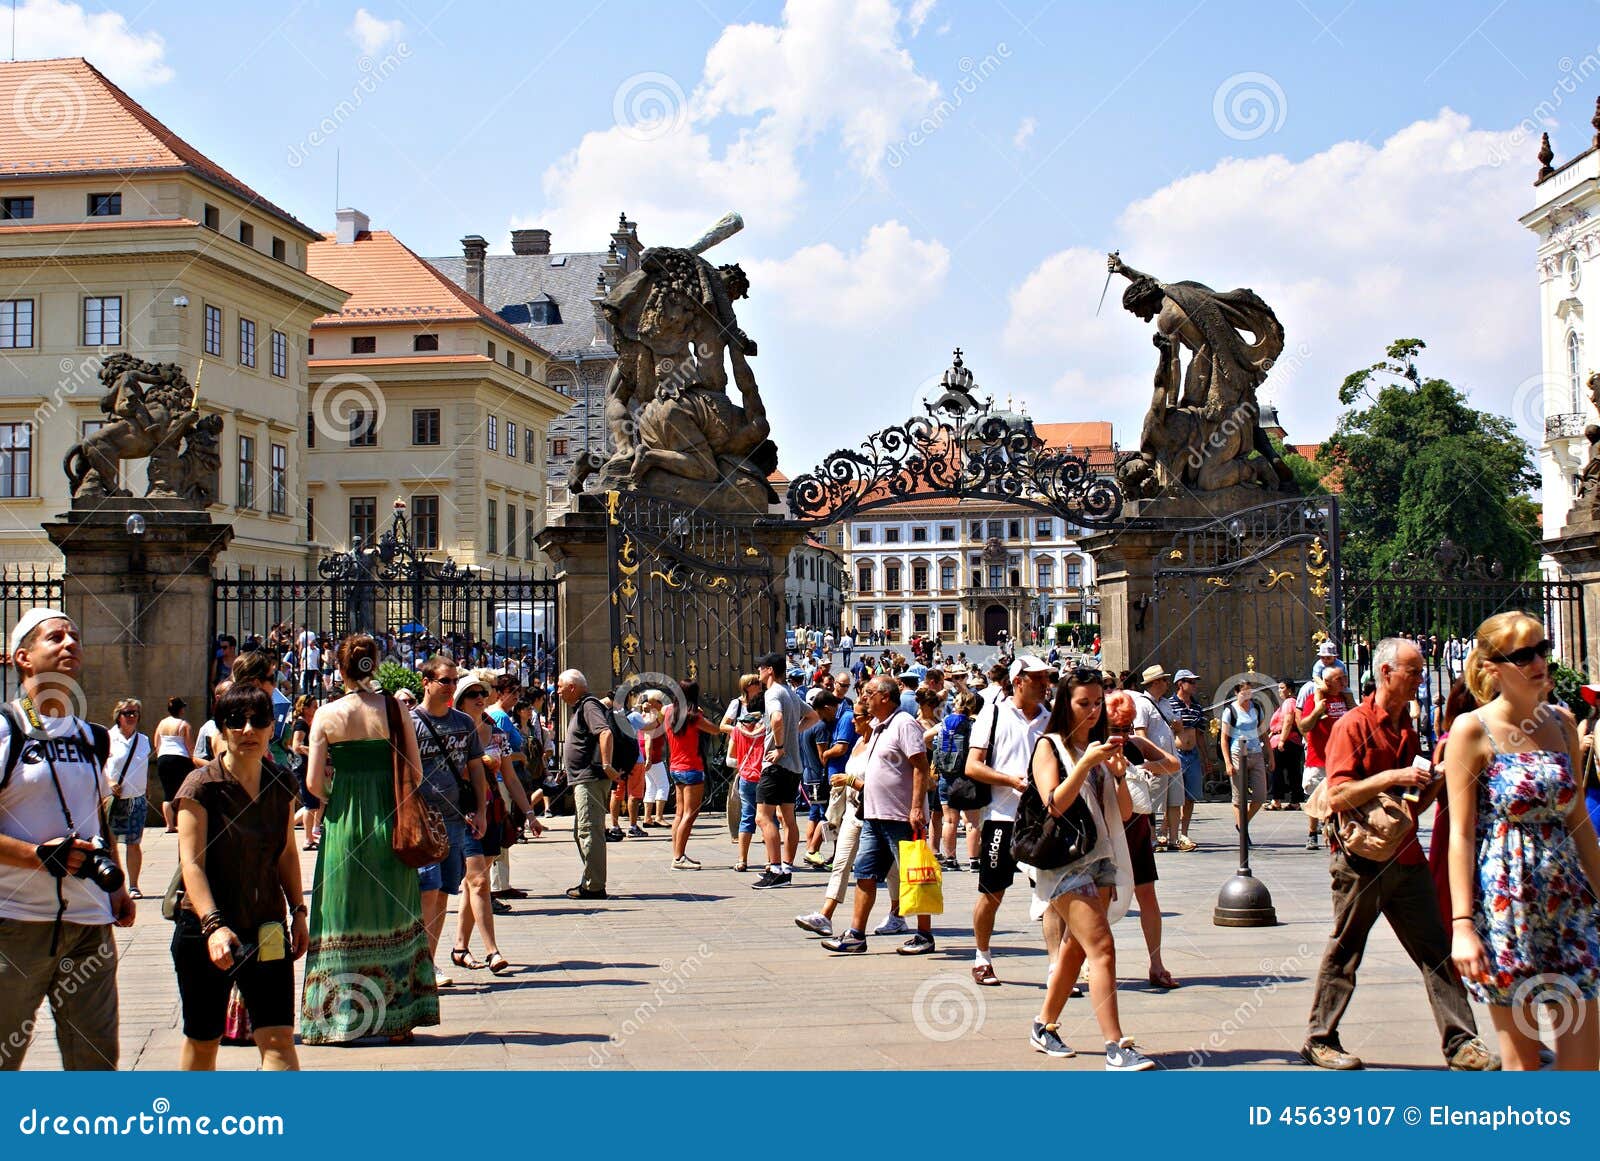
x=1375, y=830
x=921, y=883
x=1045, y=840
x=419, y=837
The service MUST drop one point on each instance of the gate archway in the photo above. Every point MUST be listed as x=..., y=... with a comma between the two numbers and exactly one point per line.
x=995, y=621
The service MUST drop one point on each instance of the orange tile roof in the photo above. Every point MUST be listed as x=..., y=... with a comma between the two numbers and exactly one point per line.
x=389, y=283
x=63, y=117
x=1094, y=434
x=1306, y=451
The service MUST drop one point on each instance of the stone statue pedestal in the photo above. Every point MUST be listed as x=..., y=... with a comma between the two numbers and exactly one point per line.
x=142, y=602
x=1215, y=628
x=684, y=632
x=1577, y=551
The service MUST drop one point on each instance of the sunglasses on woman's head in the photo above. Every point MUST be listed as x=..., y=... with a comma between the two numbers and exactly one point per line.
x=238, y=721
x=1525, y=655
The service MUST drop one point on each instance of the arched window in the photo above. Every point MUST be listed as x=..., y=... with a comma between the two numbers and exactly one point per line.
x=1575, y=371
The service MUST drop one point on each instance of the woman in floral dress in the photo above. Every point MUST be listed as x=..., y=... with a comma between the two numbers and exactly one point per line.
x=1524, y=862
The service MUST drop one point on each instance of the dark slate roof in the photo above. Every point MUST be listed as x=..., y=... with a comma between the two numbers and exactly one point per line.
x=512, y=281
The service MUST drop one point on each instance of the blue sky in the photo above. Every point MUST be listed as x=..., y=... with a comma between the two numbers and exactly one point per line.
x=927, y=175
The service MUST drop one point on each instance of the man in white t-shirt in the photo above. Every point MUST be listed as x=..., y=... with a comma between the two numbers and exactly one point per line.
x=1151, y=722
x=55, y=927
x=1000, y=752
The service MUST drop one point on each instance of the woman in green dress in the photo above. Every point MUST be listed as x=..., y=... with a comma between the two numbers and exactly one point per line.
x=368, y=972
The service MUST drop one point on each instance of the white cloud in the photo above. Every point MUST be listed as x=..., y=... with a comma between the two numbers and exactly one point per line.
x=1353, y=247
x=887, y=278
x=1024, y=133
x=830, y=67
x=918, y=14
x=51, y=28
x=373, y=34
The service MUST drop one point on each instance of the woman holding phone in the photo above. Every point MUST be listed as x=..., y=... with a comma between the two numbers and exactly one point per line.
x=241, y=873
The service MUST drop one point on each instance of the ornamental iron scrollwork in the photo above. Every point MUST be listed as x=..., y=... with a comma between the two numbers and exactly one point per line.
x=973, y=454
x=1448, y=561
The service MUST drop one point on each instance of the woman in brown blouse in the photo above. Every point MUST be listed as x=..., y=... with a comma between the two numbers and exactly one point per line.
x=241, y=874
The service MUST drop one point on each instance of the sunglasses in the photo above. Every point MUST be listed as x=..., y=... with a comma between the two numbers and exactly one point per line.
x=474, y=693
x=444, y=680
x=239, y=721
x=128, y=714
x=1525, y=655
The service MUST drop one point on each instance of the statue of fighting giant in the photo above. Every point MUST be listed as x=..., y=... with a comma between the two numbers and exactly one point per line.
x=150, y=414
x=1203, y=430
x=676, y=431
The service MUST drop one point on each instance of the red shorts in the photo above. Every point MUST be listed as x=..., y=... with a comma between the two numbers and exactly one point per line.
x=632, y=785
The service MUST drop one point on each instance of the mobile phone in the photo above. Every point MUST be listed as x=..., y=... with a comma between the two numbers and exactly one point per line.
x=1414, y=793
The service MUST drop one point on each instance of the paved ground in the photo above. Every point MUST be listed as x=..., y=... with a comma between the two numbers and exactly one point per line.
x=695, y=970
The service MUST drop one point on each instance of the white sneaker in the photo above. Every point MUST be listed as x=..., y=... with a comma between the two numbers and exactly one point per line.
x=894, y=925
x=1124, y=1057
x=440, y=980
x=817, y=923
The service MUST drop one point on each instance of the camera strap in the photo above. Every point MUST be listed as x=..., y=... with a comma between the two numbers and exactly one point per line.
x=31, y=716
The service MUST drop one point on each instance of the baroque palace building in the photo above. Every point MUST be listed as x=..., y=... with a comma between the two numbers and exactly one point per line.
x=349, y=372
x=419, y=392
x=118, y=236
x=1566, y=220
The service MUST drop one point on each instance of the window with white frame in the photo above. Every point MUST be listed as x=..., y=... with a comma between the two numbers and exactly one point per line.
x=16, y=460
x=102, y=321
x=16, y=324
x=1575, y=370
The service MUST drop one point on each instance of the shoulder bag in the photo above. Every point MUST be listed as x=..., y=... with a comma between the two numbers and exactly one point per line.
x=419, y=837
x=1046, y=840
x=469, y=793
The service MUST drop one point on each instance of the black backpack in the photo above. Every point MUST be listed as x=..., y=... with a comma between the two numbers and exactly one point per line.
x=99, y=736
x=624, y=740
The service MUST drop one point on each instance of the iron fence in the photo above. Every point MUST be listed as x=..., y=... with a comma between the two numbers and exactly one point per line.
x=22, y=587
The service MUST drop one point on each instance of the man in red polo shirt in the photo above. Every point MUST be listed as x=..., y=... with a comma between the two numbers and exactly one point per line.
x=1369, y=751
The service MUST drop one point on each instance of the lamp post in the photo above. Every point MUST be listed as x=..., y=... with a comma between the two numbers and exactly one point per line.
x=1244, y=900
x=393, y=559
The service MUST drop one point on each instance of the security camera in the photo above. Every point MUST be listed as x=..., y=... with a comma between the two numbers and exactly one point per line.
x=181, y=300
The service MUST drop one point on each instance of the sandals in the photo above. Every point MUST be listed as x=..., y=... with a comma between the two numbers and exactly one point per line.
x=1163, y=979
x=741, y=866
x=462, y=957
x=498, y=964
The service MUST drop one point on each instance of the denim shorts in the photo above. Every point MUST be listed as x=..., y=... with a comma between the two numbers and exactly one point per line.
x=1194, y=774
x=126, y=817
x=880, y=847
x=1087, y=880
x=446, y=875
x=747, y=807
x=687, y=777
x=944, y=791
x=816, y=801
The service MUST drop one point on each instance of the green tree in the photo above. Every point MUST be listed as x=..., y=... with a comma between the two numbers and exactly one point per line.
x=1308, y=474
x=1417, y=464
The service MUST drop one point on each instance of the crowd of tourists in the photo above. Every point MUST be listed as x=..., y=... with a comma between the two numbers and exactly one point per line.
x=1059, y=777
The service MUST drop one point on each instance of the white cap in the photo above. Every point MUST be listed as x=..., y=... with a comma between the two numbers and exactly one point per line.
x=31, y=620
x=1027, y=663
x=1327, y=649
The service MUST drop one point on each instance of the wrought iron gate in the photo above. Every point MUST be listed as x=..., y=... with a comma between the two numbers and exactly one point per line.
x=1258, y=589
x=692, y=596
x=1445, y=596
x=515, y=613
x=22, y=587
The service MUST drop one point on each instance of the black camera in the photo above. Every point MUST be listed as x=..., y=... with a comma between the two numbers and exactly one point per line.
x=97, y=866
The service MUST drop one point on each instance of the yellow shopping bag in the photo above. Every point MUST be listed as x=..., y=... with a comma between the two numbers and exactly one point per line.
x=921, y=886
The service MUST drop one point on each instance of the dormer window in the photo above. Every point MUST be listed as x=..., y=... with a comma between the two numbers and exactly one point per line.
x=543, y=312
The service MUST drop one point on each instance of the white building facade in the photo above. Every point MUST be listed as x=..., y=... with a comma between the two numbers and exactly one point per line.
x=963, y=571
x=1566, y=219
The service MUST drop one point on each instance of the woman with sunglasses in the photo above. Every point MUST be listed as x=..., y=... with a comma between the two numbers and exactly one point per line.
x=241, y=874
x=366, y=919
x=1074, y=759
x=1524, y=863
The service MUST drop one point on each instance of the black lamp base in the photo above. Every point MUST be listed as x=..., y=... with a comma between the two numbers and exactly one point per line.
x=1244, y=901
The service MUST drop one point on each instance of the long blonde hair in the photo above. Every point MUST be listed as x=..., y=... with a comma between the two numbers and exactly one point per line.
x=1490, y=641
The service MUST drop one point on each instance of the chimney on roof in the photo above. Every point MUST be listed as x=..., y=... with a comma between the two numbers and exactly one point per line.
x=352, y=224
x=527, y=242
x=476, y=250
x=602, y=329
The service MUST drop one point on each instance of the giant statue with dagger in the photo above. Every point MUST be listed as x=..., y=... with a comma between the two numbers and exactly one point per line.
x=676, y=429
x=1203, y=431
